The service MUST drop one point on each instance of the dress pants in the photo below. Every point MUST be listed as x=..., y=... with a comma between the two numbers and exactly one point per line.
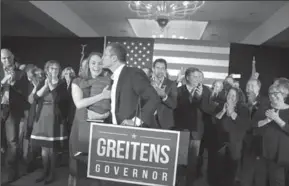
x=254, y=171
x=10, y=128
x=193, y=154
x=228, y=161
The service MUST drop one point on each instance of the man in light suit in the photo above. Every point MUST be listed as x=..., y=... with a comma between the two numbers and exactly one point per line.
x=167, y=91
x=131, y=90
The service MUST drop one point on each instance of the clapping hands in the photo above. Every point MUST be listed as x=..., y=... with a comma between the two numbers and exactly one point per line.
x=230, y=109
x=161, y=91
x=48, y=80
x=199, y=90
x=271, y=114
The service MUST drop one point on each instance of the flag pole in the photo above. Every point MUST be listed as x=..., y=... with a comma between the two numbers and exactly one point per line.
x=104, y=43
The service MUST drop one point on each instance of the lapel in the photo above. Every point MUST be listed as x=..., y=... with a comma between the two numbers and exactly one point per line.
x=120, y=82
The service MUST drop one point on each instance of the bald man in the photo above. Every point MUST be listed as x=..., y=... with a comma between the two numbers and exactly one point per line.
x=14, y=94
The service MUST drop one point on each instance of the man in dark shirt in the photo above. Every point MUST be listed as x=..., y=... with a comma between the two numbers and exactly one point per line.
x=191, y=114
x=167, y=91
x=253, y=166
x=14, y=94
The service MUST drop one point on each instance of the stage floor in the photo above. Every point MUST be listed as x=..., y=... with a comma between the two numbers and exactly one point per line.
x=62, y=177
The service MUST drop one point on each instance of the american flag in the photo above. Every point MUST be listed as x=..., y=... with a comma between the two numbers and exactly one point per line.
x=139, y=50
x=210, y=57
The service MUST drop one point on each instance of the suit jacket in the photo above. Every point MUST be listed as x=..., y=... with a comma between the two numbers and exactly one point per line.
x=192, y=114
x=133, y=88
x=275, y=140
x=165, y=111
x=18, y=94
x=253, y=139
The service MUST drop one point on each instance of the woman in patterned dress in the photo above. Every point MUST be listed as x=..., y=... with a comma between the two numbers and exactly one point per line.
x=81, y=86
x=49, y=131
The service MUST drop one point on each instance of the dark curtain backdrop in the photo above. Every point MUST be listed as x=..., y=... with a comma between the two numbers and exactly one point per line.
x=30, y=50
x=271, y=63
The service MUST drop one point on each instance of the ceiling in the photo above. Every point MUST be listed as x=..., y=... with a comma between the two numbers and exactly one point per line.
x=228, y=21
x=280, y=40
x=24, y=19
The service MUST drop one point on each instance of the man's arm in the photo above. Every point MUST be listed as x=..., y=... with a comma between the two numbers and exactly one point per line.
x=142, y=87
x=21, y=85
x=171, y=100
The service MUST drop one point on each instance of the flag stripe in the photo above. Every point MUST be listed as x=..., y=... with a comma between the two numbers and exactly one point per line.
x=198, y=55
x=191, y=42
x=201, y=67
x=192, y=48
x=211, y=75
x=194, y=61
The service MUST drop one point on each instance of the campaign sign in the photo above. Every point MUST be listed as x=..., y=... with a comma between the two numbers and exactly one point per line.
x=133, y=155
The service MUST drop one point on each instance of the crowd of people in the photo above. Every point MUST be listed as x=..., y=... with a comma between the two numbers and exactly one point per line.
x=245, y=134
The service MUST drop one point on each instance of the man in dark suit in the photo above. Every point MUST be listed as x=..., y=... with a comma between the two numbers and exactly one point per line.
x=131, y=90
x=253, y=170
x=167, y=91
x=192, y=113
x=14, y=94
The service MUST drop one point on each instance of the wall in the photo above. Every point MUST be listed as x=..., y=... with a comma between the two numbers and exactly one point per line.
x=271, y=62
x=39, y=50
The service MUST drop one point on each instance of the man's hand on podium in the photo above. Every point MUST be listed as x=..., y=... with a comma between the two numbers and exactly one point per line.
x=128, y=122
x=131, y=122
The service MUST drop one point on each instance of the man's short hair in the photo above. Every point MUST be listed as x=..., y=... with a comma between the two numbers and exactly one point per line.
x=119, y=50
x=257, y=81
x=160, y=60
x=192, y=70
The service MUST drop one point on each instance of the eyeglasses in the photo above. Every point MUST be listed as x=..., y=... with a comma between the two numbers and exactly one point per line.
x=276, y=93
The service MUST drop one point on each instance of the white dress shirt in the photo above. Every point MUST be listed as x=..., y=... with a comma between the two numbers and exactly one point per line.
x=114, y=77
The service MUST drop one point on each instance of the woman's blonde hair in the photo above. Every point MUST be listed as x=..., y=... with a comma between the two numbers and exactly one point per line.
x=68, y=69
x=50, y=63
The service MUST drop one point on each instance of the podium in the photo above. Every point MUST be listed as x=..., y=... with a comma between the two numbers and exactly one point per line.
x=83, y=136
x=84, y=140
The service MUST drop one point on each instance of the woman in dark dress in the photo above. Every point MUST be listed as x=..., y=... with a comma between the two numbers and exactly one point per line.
x=232, y=124
x=90, y=69
x=49, y=131
x=36, y=77
x=273, y=123
x=68, y=75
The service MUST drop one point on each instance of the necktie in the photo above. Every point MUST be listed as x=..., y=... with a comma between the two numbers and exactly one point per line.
x=191, y=96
